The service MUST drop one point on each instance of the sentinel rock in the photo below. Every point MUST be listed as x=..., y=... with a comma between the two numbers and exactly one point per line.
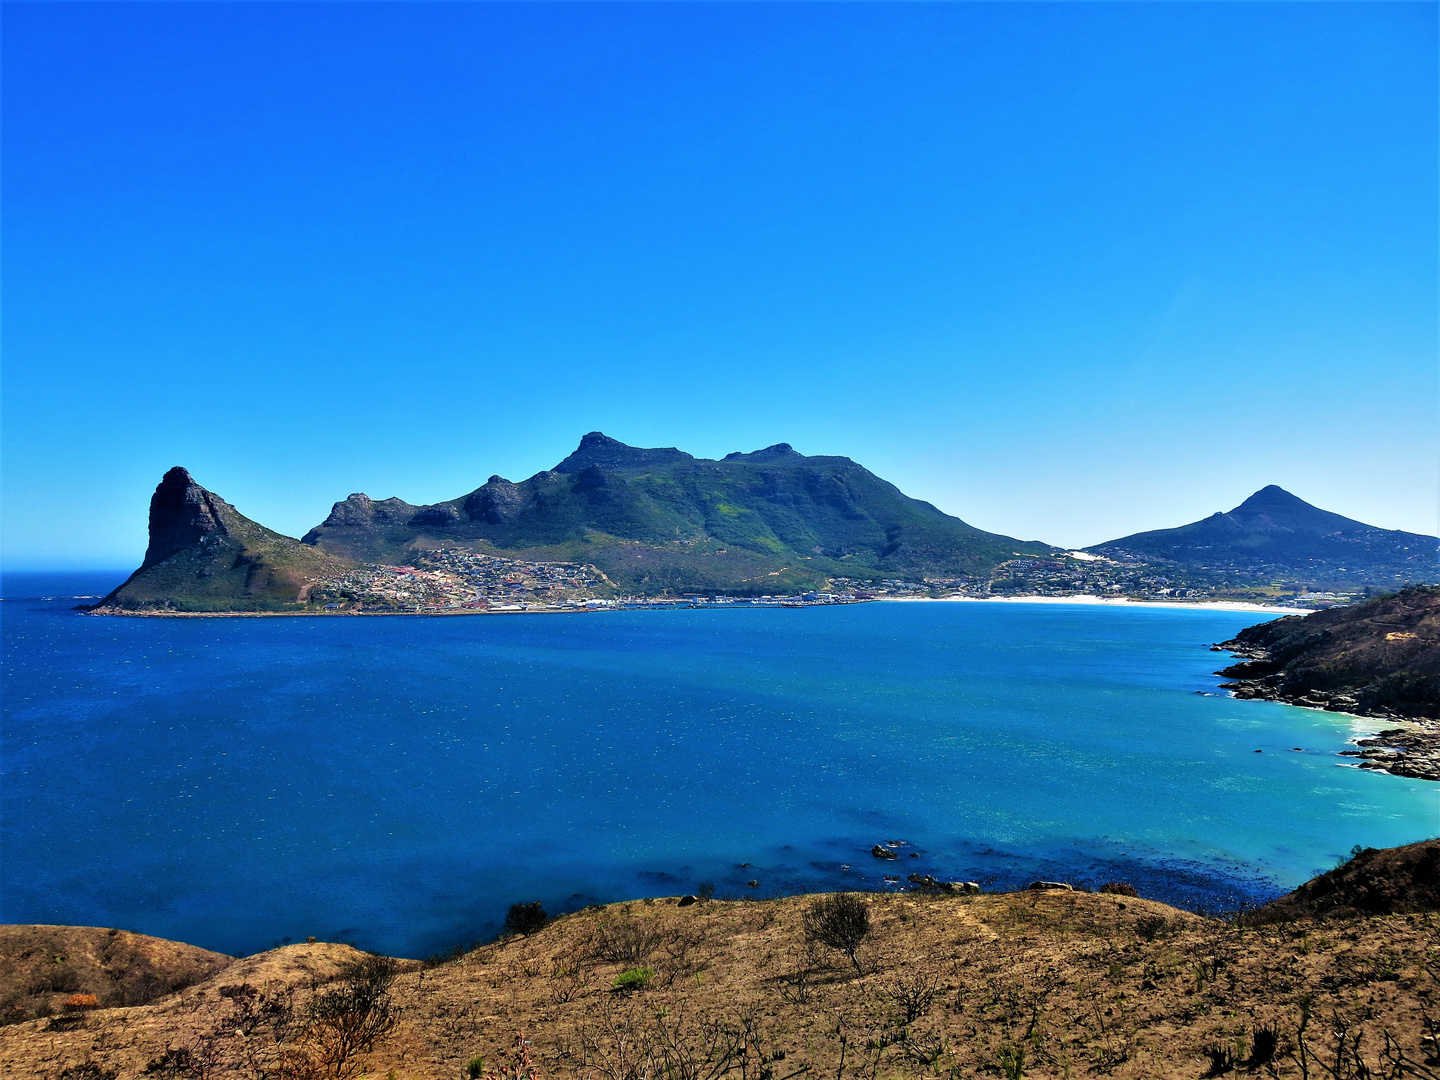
x=182, y=513
x=204, y=555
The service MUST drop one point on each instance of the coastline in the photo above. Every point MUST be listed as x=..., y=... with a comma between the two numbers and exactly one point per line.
x=1084, y=599
x=1102, y=601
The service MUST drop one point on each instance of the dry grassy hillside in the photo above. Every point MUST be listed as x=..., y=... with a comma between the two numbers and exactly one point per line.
x=1042, y=984
x=41, y=967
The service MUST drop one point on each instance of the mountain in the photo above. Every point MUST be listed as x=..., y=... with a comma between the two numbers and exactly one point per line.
x=1277, y=533
x=770, y=521
x=204, y=555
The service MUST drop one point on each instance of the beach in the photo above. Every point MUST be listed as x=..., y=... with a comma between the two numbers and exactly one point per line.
x=1105, y=601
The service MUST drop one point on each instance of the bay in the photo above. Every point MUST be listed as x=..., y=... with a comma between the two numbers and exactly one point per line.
x=397, y=782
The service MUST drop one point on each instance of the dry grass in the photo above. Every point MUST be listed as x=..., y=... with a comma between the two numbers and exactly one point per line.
x=1044, y=984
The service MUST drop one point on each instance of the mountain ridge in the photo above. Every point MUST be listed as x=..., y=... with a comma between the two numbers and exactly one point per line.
x=1273, y=529
x=660, y=521
x=689, y=522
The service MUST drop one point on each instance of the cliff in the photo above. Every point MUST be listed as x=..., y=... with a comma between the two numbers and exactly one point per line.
x=204, y=555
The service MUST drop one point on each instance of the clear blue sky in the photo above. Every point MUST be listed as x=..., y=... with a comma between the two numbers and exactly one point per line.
x=1067, y=271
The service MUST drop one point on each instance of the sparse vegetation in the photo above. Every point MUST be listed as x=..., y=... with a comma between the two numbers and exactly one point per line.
x=1035, y=984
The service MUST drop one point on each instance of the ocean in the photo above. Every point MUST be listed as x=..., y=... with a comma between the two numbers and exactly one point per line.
x=398, y=782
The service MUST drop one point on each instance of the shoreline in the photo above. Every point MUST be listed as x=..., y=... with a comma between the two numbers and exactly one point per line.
x=1090, y=600
x=1083, y=600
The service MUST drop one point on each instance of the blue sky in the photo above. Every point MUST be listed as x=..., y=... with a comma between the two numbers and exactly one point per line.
x=1067, y=271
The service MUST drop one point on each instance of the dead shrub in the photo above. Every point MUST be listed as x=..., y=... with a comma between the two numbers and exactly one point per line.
x=840, y=922
x=912, y=993
x=626, y=940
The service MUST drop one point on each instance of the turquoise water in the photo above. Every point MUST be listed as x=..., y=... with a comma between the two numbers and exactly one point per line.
x=399, y=781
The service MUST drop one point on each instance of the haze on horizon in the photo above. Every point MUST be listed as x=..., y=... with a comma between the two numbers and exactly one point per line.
x=1066, y=271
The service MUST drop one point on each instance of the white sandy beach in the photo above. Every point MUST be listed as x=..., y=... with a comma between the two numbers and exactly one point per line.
x=1106, y=601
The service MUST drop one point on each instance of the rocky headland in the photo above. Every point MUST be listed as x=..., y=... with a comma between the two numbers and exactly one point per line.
x=1379, y=658
x=205, y=556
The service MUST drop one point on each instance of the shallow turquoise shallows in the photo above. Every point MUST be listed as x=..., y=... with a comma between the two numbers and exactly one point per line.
x=399, y=781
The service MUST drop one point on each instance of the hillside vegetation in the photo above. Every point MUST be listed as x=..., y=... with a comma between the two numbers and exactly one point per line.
x=1278, y=533
x=659, y=519
x=1042, y=983
x=1379, y=658
x=204, y=555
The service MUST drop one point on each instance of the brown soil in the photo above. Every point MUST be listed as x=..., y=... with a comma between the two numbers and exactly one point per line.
x=42, y=966
x=1044, y=984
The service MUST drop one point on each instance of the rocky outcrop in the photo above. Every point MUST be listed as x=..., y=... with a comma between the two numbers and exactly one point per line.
x=779, y=452
x=361, y=510
x=1412, y=751
x=440, y=515
x=496, y=503
x=600, y=451
x=204, y=555
x=1380, y=658
x=182, y=514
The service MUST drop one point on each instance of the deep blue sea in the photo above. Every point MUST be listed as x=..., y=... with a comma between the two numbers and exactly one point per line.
x=398, y=782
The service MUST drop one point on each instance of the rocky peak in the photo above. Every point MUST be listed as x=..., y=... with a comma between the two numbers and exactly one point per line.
x=777, y=452
x=360, y=509
x=598, y=450
x=1273, y=507
x=182, y=513
x=495, y=503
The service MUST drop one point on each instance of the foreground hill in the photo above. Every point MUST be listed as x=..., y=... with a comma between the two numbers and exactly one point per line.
x=1040, y=983
x=1375, y=881
x=659, y=519
x=204, y=555
x=43, y=966
x=1274, y=532
x=1379, y=658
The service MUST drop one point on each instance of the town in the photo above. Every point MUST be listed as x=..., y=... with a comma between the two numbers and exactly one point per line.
x=455, y=580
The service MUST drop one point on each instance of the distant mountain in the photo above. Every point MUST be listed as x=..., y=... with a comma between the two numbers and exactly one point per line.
x=204, y=555
x=1274, y=531
x=660, y=519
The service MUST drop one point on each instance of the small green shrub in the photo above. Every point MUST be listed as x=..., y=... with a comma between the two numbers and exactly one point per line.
x=475, y=1067
x=634, y=979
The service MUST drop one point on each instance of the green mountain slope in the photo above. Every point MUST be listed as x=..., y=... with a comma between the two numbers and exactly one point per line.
x=660, y=519
x=1276, y=532
x=204, y=555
